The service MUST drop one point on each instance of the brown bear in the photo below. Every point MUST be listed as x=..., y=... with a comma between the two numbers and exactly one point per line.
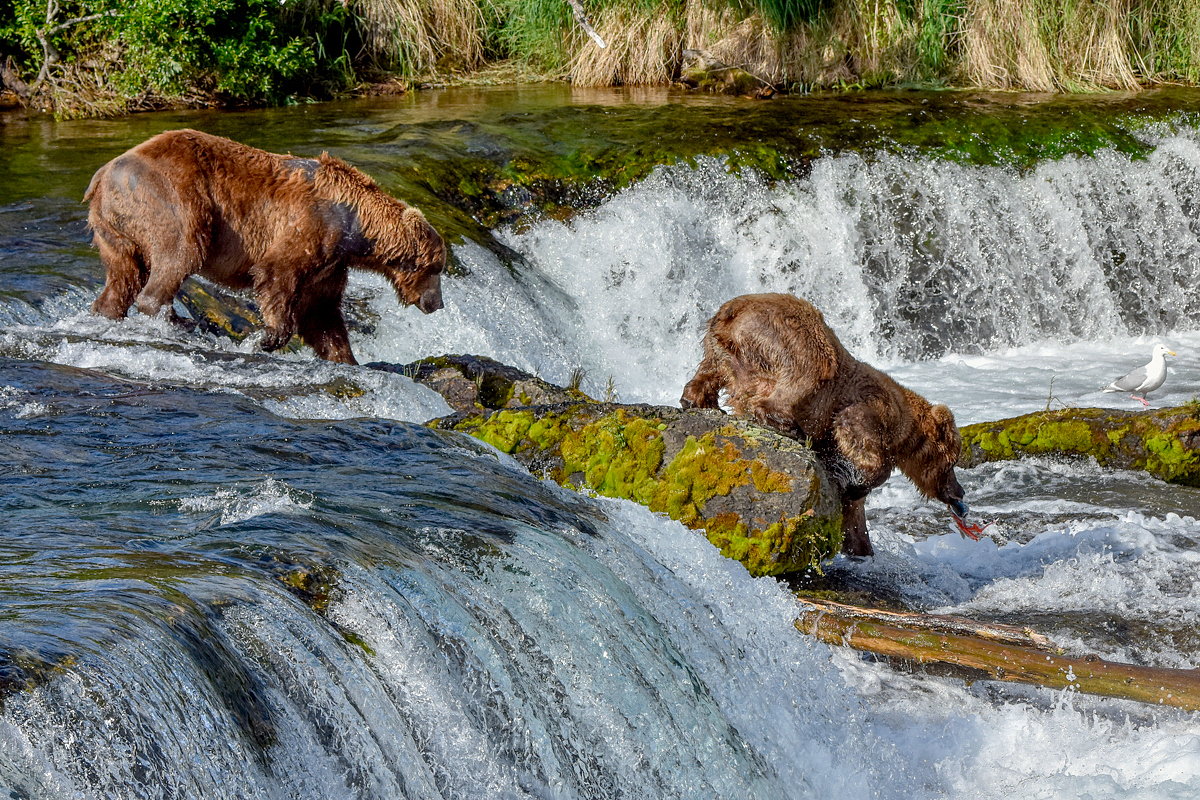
x=781, y=364
x=189, y=203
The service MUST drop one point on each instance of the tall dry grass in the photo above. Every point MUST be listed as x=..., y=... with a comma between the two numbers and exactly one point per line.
x=1049, y=45
x=871, y=40
x=1032, y=45
x=417, y=37
x=642, y=48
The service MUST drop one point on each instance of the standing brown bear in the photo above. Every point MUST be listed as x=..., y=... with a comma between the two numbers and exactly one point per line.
x=188, y=203
x=781, y=364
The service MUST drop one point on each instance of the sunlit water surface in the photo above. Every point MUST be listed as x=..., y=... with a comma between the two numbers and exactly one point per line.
x=228, y=574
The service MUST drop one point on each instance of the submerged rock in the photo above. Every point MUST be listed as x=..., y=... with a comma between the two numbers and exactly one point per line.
x=700, y=70
x=1165, y=442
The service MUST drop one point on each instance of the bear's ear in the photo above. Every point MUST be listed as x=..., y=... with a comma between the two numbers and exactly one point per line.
x=945, y=430
x=942, y=415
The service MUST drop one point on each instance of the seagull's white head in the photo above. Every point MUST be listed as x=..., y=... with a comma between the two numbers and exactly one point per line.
x=1161, y=350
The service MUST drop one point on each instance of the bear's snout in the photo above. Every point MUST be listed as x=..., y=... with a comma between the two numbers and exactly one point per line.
x=430, y=301
x=952, y=494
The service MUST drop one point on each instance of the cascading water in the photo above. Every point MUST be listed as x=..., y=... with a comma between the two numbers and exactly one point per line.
x=908, y=259
x=228, y=574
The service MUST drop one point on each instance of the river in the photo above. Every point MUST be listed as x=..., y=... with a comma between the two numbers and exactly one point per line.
x=229, y=574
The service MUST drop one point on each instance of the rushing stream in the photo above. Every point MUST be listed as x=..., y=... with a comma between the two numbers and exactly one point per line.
x=230, y=574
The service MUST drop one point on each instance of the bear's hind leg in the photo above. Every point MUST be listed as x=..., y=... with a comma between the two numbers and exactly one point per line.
x=124, y=273
x=170, y=265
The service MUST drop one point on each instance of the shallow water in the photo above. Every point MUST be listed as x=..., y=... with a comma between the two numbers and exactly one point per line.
x=231, y=574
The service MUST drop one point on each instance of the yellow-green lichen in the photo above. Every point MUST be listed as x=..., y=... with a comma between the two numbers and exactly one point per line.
x=778, y=548
x=768, y=480
x=700, y=471
x=1170, y=460
x=623, y=455
x=1153, y=442
x=618, y=456
x=504, y=430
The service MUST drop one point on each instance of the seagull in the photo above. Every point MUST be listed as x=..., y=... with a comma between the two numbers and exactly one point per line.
x=1144, y=379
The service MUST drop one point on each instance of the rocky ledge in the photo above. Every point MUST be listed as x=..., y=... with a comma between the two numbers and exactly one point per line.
x=760, y=497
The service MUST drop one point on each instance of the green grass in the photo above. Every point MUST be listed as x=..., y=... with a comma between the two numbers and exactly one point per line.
x=275, y=51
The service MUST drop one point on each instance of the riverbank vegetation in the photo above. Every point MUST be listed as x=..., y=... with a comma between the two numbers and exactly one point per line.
x=97, y=57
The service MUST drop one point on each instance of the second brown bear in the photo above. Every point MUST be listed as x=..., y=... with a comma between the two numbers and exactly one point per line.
x=781, y=364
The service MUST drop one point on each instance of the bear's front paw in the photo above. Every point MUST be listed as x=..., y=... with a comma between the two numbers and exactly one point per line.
x=273, y=339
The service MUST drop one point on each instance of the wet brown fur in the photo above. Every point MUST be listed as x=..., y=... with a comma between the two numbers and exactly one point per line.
x=781, y=364
x=188, y=203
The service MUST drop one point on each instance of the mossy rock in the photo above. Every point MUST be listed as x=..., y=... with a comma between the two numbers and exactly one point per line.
x=760, y=497
x=218, y=311
x=1164, y=443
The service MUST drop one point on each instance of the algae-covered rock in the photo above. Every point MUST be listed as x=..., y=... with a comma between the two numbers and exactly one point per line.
x=1165, y=442
x=762, y=498
x=218, y=311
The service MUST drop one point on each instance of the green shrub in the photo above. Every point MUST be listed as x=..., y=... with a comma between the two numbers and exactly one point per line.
x=252, y=51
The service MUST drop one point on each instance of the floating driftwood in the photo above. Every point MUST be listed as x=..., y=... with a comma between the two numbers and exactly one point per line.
x=1165, y=442
x=996, y=652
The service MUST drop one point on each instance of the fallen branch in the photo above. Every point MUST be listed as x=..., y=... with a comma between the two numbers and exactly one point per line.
x=1003, y=652
x=582, y=18
x=50, y=54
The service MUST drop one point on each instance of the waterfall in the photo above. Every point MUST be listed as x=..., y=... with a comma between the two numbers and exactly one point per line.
x=909, y=258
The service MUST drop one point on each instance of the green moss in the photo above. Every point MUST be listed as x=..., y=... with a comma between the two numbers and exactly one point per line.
x=778, y=548
x=767, y=480
x=700, y=471
x=1153, y=442
x=504, y=430
x=1170, y=460
x=623, y=455
x=618, y=456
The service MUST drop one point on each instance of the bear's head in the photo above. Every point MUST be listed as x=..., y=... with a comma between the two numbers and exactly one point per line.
x=931, y=465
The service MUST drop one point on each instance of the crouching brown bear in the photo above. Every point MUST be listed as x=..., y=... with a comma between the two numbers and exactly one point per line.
x=781, y=364
x=188, y=203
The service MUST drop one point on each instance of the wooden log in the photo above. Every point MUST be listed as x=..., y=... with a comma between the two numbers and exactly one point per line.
x=1001, y=652
x=1164, y=442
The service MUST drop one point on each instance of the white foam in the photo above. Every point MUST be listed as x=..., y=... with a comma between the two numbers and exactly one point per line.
x=917, y=737
x=297, y=385
x=16, y=400
x=240, y=504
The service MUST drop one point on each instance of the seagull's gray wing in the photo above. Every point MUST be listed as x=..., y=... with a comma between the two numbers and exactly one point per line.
x=1130, y=382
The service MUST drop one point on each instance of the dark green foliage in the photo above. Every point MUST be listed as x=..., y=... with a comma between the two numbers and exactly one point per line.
x=533, y=30
x=784, y=15
x=252, y=51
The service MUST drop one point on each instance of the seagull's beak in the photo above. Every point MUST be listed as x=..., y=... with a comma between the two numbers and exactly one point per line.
x=1170, y=352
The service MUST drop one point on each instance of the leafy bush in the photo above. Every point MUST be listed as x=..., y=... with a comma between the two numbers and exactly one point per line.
x=244, y=50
